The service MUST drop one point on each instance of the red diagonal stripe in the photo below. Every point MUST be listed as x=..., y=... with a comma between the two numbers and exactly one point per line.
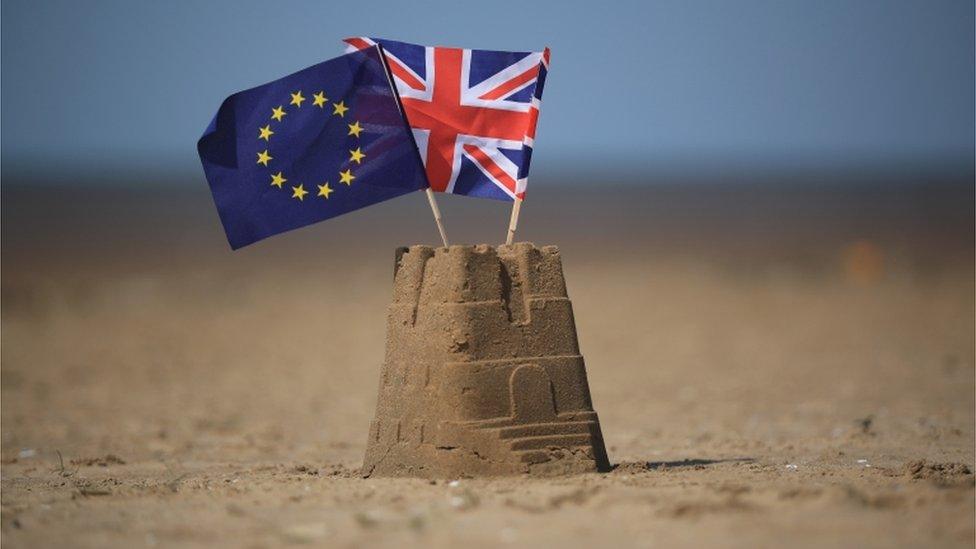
x=507, y=87
x=490, y=166
x=409, y=79
x=358, y=43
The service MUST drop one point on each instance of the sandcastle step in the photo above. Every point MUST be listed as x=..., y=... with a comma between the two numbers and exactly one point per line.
x=543, y=456
x=499, y=422
x=544, y=429
x=550, y=441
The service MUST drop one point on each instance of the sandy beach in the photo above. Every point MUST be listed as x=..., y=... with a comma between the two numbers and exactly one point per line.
x=772, y=366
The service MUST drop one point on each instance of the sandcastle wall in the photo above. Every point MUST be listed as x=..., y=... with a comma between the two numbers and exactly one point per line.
x=483, y=374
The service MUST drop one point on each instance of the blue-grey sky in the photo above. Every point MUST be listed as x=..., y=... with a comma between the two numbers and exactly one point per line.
x=97, y=87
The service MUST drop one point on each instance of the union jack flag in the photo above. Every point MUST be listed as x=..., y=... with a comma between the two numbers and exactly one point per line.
x=473, y=113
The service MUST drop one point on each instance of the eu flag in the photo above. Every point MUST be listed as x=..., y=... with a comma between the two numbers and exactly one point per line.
x=313, y=145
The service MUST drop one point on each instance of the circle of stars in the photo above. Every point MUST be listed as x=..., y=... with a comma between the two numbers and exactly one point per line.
x=278, y=114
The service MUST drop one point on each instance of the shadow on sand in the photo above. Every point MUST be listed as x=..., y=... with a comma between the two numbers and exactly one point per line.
x=638, y=466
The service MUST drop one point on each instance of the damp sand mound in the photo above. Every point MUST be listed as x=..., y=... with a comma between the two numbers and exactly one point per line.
x=483, y=374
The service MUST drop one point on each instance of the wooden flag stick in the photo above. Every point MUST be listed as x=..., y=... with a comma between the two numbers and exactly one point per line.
x=513, y=222
x=437, y=216
x=430, y=193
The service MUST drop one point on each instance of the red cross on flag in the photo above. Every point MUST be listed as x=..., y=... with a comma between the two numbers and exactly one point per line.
x=473, y=113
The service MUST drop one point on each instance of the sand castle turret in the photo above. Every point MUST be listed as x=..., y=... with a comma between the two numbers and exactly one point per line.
x=483, y=374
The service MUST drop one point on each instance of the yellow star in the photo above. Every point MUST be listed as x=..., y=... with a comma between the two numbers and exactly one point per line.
x=325, y=190
x=264, y=157
x=319, y=100
x=346, y=177
x=277, y=179
x=340, y=108
x=266, y=133
x=299, y=192
x=296, y=98
x=357, y=155
x=355, y=128
x=278, y=113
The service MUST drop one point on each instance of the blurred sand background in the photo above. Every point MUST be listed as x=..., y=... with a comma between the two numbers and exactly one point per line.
x=773, y=364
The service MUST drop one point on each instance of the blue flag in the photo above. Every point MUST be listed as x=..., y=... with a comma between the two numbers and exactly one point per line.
x=319, y=143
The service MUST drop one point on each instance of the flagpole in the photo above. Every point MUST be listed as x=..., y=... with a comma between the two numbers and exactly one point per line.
x=399, y=102
x=437, y=216
x=513, y=222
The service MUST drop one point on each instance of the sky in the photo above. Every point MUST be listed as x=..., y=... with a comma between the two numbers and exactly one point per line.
x=95, y=89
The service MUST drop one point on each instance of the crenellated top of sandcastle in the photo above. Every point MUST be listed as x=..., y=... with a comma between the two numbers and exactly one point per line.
x=464, y=274
x=484, y=302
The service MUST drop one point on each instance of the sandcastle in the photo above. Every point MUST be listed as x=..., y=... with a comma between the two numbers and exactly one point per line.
x=483, y=374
